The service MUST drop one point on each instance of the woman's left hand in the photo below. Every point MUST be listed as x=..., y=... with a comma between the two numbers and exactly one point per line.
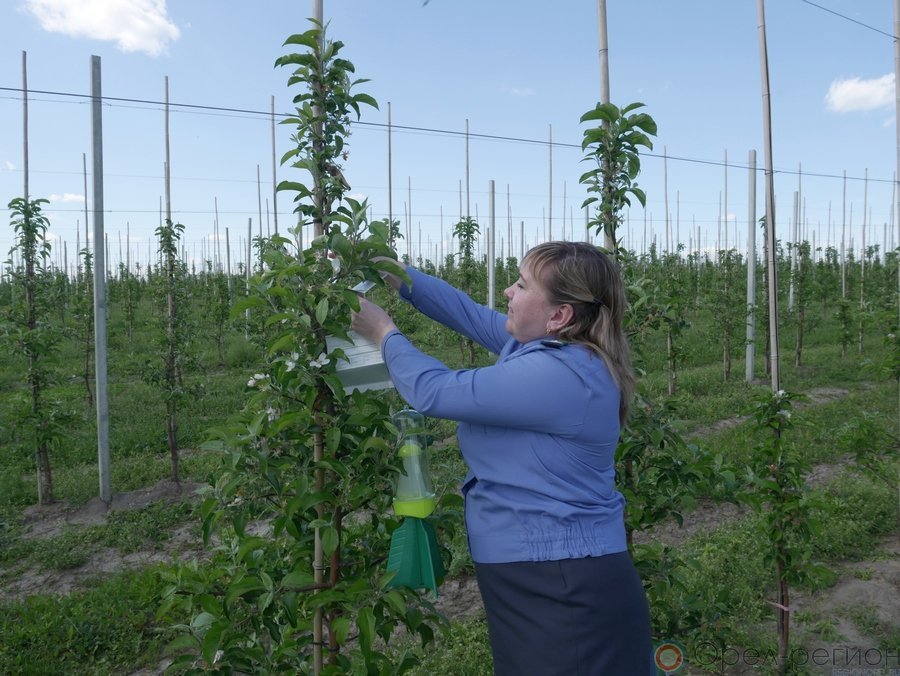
x=371, y=321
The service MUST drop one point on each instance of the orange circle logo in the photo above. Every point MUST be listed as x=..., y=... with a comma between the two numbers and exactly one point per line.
x=669, y=657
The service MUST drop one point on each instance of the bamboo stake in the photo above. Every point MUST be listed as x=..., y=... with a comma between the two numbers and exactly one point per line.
x=389, y=179
x=770, y=201
x=666, y=197
x=491, y=263
x=84, y=174
x=274, y=174
x=794, y=236
x=25, y=135
x=550, y=198
x=843, y=241
x=468, y=201
x=750, y=353
x=725, y=205
x=318, y=440
x=862, y=265
x=168, y=175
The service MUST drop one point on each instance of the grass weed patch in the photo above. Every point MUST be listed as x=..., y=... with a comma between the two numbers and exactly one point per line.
x=110, y=628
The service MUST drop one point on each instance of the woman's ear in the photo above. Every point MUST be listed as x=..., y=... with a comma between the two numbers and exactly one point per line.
x=560, y=318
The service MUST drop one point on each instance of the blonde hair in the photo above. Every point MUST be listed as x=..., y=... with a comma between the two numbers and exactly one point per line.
x=584, y=277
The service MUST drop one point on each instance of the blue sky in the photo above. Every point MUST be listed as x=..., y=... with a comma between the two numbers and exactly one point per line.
x=512, y=69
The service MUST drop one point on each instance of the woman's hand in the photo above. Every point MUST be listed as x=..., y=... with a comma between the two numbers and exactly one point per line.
x=371, y=321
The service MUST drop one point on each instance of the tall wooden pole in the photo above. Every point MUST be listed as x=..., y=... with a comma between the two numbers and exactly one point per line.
x=25, y=125
x=274, y=174
x=99, y=286
x=318, y=441
x=492, y=233
x=609, y=238
x=782, y=601
x=550, y=197
x=666, y=197
x=468, y=201
x=603, y=51
x=168, y=175
x=725, y=205
x=390, y=194
x=896, y=192
x=770, y=200
x=843, y=241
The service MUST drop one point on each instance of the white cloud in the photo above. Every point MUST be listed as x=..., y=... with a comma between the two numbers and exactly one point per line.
x=66, y=197
x=134, y=25
x=9, y=166
x=855, y=94
x=519, y=91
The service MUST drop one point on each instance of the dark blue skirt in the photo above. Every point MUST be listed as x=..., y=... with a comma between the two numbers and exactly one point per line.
x=578, y=617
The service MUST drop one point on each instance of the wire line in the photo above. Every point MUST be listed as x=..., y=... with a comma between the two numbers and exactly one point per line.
x=864, y=25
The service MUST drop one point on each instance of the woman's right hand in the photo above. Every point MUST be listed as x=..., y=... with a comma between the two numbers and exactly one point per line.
x=371, y=321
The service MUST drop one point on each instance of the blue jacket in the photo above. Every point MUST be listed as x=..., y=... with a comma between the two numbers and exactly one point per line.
x=538, y=431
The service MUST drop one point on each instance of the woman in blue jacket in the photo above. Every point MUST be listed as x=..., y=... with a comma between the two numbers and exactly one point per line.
x=538, y=430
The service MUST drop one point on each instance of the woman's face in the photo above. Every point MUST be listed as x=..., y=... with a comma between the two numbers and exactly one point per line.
x=529, y=309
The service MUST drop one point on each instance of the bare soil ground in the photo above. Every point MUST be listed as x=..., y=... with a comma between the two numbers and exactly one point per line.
x=865, y=596
x=49, y=521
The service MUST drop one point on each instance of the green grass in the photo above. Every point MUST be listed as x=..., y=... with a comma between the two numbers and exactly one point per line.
x=463, y=650
x=110, y=628
x=817, y=427
x=730, y=568
x=866, y=620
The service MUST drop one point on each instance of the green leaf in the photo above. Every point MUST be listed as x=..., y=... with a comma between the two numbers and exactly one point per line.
x=247, y=585
x=365, y=620
x=202, y=621
x=365, y=98
x=396, y=602
x=606, y=112
x=297, y=579
x=330, y=539
x=212, y=640
x=322, y=311
x=340, y=627
x=244, y=304
x=183, y=642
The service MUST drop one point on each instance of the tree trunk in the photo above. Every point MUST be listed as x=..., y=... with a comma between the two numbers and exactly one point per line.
x=784, y=619
x=172, y=374
x=670, y=352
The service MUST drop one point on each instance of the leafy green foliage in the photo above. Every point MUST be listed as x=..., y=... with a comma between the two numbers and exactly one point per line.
x=300, y=506
x=29, y=333
x=614, y=148
x=174, y=355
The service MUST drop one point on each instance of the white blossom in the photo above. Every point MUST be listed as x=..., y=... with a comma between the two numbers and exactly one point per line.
x=271, y=413
x=319, y=361
x=257, y=377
